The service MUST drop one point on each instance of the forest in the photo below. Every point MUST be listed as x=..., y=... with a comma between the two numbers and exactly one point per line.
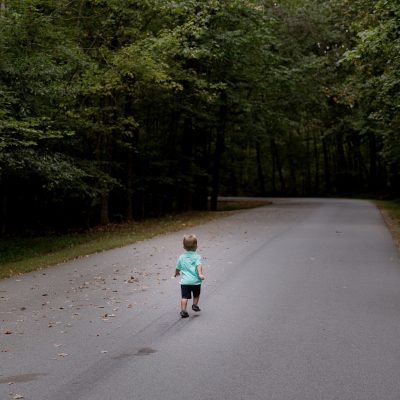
x=116, y=110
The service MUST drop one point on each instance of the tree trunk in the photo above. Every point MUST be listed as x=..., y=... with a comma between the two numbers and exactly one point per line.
x=273, y=170
x=316, y=159
x=260, y=171
x=341, y=181
x=291, y=159
x=308, y=162
x=129, y=187
x=326, y=166
x=373, y=162
x=219, y=149
x=187, y=162
x=104, y=217
x=275, y=153
x=4, y=211
x=359, y=166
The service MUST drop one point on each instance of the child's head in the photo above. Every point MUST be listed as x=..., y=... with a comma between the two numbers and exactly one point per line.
x=190, y=242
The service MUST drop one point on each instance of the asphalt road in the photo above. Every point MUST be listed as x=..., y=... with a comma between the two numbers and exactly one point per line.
x=301, y=302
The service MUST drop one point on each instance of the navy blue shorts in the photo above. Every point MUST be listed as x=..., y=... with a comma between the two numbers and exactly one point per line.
x=187, y=291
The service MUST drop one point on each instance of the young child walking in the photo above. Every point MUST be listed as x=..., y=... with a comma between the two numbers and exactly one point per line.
x=190, y=269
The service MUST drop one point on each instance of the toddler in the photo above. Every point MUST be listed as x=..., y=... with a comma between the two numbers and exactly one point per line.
x=190, y=269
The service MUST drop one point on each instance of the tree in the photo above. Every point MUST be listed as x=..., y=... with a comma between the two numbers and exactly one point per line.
x=113, y=110
x=377, y=80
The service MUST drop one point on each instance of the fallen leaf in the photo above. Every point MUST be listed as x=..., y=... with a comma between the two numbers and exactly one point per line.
x=18, y=396
x=62, y=354
x=8, y=332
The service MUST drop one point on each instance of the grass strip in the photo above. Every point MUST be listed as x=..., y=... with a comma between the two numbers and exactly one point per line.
x=390, y=210
x=22, y=255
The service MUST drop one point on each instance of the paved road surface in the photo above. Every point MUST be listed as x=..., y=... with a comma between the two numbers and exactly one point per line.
x=301, y=302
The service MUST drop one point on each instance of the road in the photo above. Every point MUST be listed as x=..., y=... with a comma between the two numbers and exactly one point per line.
x=301, y=302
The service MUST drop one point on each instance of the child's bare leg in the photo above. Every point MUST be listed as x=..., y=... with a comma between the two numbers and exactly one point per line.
x=195, y=307
x=184, y=303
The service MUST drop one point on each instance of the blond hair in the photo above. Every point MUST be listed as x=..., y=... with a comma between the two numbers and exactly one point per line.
x=190, y=242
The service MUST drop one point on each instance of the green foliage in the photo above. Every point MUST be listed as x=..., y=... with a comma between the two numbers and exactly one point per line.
x=117, y=109
x=376, y=66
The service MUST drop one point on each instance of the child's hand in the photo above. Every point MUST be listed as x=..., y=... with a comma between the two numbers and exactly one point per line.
x=202, y=277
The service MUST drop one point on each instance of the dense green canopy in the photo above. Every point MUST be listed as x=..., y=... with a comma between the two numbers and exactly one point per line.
x=119, y=109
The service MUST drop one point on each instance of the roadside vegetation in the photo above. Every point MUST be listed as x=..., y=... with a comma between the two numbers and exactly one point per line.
x=390, y=210
x=22, y=255
x=118, y=110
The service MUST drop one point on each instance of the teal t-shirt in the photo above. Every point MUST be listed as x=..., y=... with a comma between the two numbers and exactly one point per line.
x=187, y=264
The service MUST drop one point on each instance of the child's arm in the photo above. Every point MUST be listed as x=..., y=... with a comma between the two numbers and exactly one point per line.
x=177, y=272
x=200, y=272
